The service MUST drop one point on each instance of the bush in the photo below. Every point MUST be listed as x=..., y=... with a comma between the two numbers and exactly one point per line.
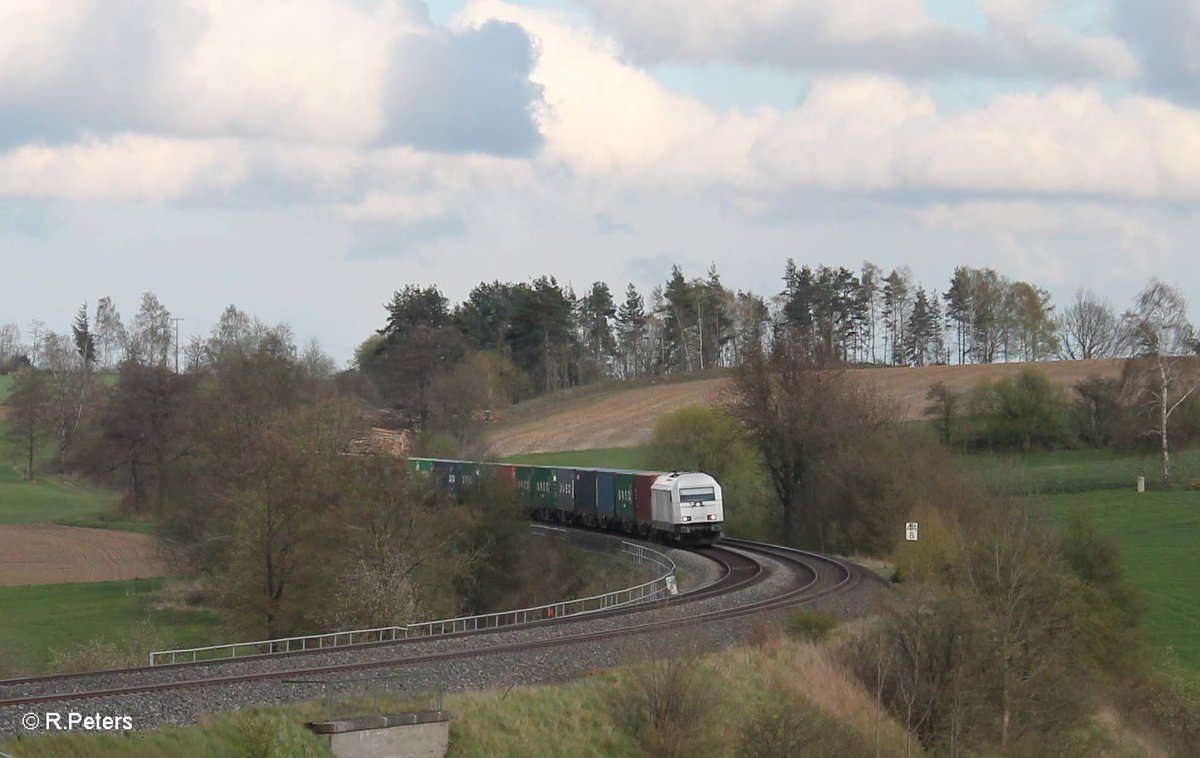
x=270, y=734
x=1174, y=704
x=811, y=626
x=1020, y=413
x=780, y=729
x=665, y=706
x=438, y=445
x=98, y=654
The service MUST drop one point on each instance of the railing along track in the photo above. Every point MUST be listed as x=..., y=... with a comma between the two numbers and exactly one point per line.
x=829, y=576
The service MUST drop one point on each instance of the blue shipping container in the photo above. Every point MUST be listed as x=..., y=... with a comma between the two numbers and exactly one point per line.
x=606, y=488
x=585, y=494
x=449, y=475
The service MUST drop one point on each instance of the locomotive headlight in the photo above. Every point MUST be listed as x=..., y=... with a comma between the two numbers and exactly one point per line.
x=712, y=517
x=687, y=519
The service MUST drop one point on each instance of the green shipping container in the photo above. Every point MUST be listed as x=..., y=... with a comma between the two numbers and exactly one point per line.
x=624, y=486
x=525, y=484
x=424, y=464
x=545, y=492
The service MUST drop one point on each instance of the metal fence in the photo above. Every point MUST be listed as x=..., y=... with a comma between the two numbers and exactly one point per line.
x=663, y=585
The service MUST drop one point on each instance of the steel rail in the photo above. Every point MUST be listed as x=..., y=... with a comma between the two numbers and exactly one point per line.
x=737, y=572
x=846, y=578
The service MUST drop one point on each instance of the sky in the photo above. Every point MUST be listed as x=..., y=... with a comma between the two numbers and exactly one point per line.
x=304, y=159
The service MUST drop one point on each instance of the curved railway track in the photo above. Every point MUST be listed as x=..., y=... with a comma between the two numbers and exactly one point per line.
x=745, y=565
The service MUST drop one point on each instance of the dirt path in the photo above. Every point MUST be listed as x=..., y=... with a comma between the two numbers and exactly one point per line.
x=51, y=554
x=622, y=418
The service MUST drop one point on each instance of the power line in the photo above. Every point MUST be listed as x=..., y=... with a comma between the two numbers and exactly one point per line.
x=177, y=320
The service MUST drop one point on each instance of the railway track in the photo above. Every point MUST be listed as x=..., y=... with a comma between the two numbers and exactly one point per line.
x=746, y=565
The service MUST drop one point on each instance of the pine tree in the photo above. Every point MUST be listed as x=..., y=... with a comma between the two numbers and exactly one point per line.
x=631, y=327
x=595, y=310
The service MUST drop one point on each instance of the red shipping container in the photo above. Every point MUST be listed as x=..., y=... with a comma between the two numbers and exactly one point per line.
x=641, y=498
x=507, y=474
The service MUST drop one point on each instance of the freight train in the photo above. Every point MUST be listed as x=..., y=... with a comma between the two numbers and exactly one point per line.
x=680, y=506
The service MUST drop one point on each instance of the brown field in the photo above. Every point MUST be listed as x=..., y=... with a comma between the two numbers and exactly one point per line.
x=51, y=554
x=626, y=417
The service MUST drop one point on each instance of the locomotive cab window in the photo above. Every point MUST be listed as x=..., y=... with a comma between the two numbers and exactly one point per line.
x=696, y=494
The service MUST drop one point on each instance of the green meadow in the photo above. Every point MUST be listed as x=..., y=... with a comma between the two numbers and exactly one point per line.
x=42, y=619
x=1160, y=545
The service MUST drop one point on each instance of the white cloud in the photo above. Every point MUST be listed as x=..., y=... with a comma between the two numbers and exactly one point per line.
x=1165, y=33
x=601, y=116
x=1070, y=141
x=333, y=72
x=1063, y=243
x=604, y=117
x=126, y=167
x=890, y=36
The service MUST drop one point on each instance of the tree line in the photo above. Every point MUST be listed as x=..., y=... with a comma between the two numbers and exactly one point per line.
x=541, y=336
x=240, y=460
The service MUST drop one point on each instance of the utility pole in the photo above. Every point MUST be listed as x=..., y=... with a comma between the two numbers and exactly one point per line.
x=177, y=320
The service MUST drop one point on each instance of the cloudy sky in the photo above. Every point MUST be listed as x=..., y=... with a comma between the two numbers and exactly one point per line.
x=305, y=159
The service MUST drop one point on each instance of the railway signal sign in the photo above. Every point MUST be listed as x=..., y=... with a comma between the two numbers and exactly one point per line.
x=910, y=531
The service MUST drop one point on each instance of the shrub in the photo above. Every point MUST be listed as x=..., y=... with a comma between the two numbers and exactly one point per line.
x=811, y=626
x=780, y=729
x=1020, y=413
x=665, y=706
x=98, y=654
x=765, y=634
x=268, y=734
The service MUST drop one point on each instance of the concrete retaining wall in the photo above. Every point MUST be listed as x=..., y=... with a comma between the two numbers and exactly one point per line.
x=421, y=734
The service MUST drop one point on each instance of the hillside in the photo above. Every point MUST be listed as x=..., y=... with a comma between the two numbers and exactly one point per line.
x=620, y=416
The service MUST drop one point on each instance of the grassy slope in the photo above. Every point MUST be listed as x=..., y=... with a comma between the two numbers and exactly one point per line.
x=259, y=731
x=574, y=719
x=40, y=619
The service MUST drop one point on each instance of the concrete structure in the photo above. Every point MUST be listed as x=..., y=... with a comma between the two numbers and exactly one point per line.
x=420, y=734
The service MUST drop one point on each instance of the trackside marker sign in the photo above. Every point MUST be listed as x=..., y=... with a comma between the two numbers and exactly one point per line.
x=910, y=531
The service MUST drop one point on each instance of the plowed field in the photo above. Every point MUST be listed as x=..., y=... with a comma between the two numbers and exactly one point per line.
x=50, y=554
x=620, y=418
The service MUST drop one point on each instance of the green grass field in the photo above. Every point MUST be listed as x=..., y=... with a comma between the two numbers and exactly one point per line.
x=42, y=619
x=601, y=457
x=53, y=498
x=1160, y=544
x=1064, y=471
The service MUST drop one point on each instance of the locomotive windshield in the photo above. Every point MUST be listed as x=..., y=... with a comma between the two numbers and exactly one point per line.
x=696, y=494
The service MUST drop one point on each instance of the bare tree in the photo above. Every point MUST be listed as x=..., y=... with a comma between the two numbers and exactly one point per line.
x=109, y=333
x=317, y=363
x=28, y=407
x=150, y=341
x=1088, y=328
x=10, y=345
x=68, y=380
x=807, y=419
x=195, y=356
x=1162, y=336
x=37, y=333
